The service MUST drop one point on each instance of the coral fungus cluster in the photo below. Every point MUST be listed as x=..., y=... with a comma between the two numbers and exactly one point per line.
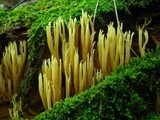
x=79, y=60
x=11, y=69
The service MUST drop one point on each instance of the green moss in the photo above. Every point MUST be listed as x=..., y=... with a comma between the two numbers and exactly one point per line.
x=153, y=116
x=129, y=93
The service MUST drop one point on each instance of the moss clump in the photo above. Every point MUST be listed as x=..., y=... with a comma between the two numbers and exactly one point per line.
x=128, y=93
x=153, y=116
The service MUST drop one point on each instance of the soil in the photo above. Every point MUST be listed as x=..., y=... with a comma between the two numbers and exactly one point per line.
x=136, y=16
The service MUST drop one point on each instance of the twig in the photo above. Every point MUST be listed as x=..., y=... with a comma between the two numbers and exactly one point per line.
x=118, y=24
x=14, y=6
x=95, y=11
x=116, y=13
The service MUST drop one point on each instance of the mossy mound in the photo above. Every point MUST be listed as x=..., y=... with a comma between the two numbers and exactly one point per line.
x=128, y=93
